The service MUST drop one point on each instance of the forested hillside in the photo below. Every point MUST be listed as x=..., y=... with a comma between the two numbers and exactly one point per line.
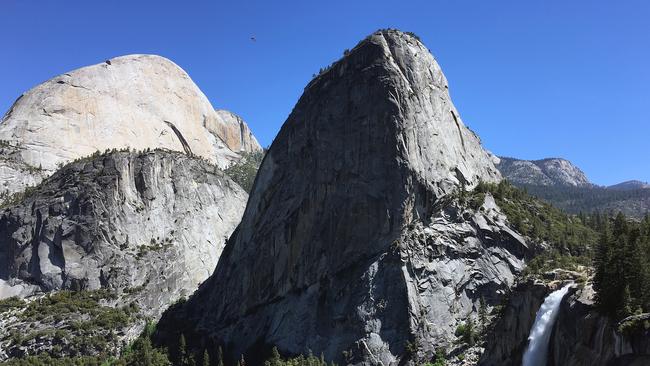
x=634, y=203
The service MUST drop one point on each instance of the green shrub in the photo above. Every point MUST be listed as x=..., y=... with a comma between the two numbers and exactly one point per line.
x=244, y=171
x=11, y=303
x=466, y=333
x=542, y=222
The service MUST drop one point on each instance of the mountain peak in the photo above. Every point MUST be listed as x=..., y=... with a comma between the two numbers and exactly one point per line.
x=630, y=185
x=133, y=101
x=366, y=155
x=543, y=172
x=395, y=70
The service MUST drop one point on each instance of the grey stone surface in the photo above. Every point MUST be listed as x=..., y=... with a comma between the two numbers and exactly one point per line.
x=506, y=342
x=149, y=226
x=584, y=337
x=134, y=101
x=581, y=335
x=545, y=172
x=351, y=244
x=234, y=132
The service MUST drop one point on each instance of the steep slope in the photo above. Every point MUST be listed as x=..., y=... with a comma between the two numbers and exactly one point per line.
x=234, y=132
x=545, y=172
x=135, y=101
x=351, y=244
x=581, y=335
x=150, y=225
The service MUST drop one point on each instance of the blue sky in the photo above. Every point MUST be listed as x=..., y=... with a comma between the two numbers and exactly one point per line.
x=533, y=78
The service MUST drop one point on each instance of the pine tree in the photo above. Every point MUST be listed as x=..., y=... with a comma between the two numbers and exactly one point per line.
x=206, y=358
x=483, y=315
x=602, y=262
x=220, y=355
x=182, y=350
x=142, y=353
x=275, y=359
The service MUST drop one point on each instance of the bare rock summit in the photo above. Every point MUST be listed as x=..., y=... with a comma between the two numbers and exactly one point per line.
x=544, y=172
x=353, y=244
x=134, y=101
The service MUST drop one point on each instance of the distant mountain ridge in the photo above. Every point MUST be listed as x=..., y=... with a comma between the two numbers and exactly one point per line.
x=544, y=172
x=630, y=184
x=566, y=186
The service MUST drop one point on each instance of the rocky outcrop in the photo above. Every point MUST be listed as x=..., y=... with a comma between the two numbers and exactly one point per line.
x=234, y=132
x=147, y=226
x=584, y=337
x=545, y=172
x=135, y=101
x=581, y=336
x=508, y=338
x=351, y=244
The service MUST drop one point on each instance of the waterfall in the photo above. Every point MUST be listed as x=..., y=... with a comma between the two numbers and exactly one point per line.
x=540, y=334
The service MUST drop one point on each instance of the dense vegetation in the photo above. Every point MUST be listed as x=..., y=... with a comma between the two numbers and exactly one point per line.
x=566, y=235
x=622, y=279
x=244, y=171
x=633, y=202
x=616, y=246
x=72, y=323
x=139, y=353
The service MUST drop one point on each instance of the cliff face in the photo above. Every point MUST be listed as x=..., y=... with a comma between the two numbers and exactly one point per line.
x=153, y=222
x=581, y=336
x=135, y=101
x=506, y=342
x=545, y=172
x=350, y=244
x=234, y=132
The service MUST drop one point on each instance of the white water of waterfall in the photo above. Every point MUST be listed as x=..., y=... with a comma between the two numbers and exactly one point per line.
x=540, y=334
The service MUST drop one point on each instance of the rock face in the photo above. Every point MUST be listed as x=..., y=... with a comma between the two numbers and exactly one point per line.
x=351, y=244
x=507, y=341
x=545, y=172
x=583, y=337
x=149, y=226
x=234, y=132
x=136, y=101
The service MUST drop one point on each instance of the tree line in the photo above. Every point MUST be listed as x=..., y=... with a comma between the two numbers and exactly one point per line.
x=622, y=266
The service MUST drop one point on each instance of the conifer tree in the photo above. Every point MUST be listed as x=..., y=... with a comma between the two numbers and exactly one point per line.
x=206, y=358
x=220, y=355
x=182, y=350
x=275, y=359
x=483, y=314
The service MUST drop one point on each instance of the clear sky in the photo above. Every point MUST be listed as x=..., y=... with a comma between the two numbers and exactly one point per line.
x=534, y=79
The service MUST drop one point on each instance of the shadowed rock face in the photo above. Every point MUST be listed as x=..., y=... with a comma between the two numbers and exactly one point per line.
x=581, y=335
x=584, y=337
x=134, y=101
x=507, y=340
x=350, y=245
x=148, y=226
